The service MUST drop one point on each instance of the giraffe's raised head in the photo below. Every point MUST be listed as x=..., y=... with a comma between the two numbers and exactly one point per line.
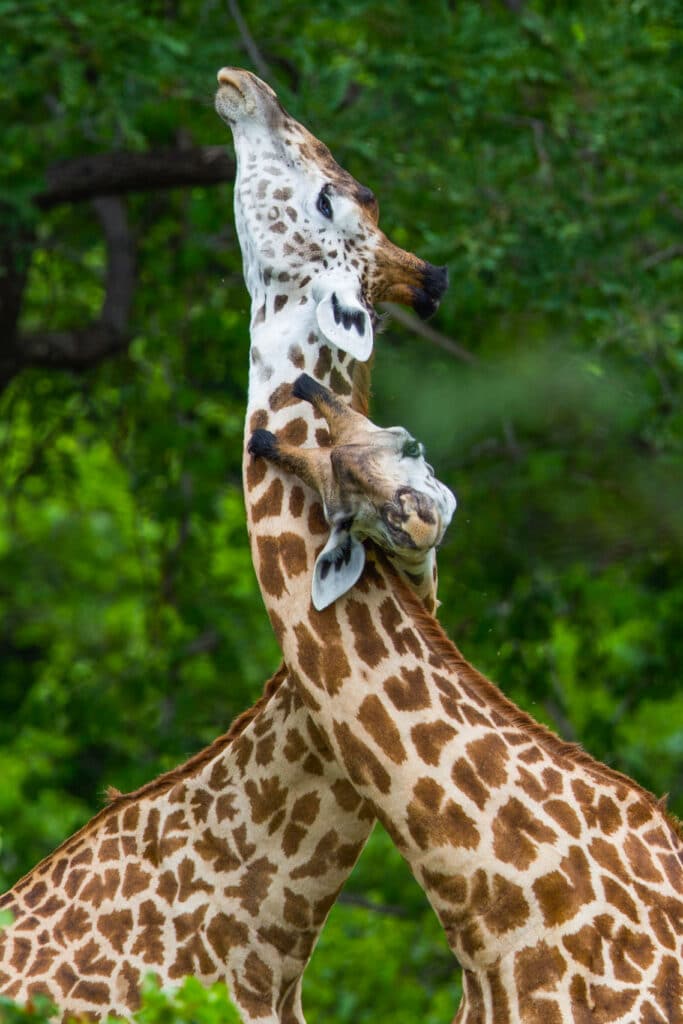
x=306, y=224
x=374, y=483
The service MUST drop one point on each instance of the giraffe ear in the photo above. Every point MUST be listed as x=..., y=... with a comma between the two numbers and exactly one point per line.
x=337, y=568
x=345, y=322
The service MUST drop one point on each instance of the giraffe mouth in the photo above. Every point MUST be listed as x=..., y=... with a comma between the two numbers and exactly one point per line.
x=227, y=79
x=230, y=99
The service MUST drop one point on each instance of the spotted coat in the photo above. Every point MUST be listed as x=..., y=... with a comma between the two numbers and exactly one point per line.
x=558, y=881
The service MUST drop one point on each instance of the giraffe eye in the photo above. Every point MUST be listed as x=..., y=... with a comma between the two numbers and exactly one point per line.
x=411, y=449
x=323, y=203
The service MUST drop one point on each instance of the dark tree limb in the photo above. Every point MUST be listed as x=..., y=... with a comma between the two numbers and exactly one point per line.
x=115, y=174
x=248, y=41
x=84, y=347
x=429, y=333
x=102, y=178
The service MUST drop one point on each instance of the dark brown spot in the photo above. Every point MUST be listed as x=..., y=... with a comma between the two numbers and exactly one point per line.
x=668, y=990
x=517, y=834
x=640, y=860
x=585, y=947
x=339, y=383
x=466, y=780
x=564, y=815
x=270, y=502
x=256, y=471
x=362, y=766
x=279, y=303
x=35, y=894
x=619, y=898
x=224, y=932
x=296, y=501
x=538, y=969
x=409, y=692
x=431, y=824
x=368, y=644
x=269, y=571
x=96, y=992
x=638, y=814
x=345, y=795
x=450, y=888
x=489, y=756
x=607, y=856
x=296, y=356
x=89, y=960
x=562, y=894
x=662, y=929
x=324, y=362
x=116, y=927
x=295, y=432
x=430, y=738
x=266, y=797
x=281, y=397
x=501, y=905
x=376, y=721
x=135, y=880
x=608, y=815
x=630, y=953
x=317, y=524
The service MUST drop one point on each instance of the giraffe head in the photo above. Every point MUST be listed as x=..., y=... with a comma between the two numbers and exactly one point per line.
x=306, y=224
x=373, y=482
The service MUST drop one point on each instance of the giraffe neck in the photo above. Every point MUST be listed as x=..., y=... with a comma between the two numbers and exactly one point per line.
x=225, y=868
x=545, y=867
x=283, y=347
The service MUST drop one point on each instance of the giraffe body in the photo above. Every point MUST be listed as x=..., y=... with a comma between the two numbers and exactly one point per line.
x=558, y=881
x=225, y=868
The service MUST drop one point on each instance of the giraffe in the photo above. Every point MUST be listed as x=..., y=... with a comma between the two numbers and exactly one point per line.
x=221, y=868
x=227, y=866
x=558, y=881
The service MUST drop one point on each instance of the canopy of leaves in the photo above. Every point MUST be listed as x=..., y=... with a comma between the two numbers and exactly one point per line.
x=533, y=147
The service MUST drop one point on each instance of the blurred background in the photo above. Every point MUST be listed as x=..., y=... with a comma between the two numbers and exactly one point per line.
x=534, y=147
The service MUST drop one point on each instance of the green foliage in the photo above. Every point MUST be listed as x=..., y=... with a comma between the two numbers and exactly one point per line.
x=538, y=155
x=189, y=1004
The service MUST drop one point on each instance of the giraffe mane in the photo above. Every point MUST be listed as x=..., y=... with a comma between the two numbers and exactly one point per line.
x=199, y=760
x=474, y=681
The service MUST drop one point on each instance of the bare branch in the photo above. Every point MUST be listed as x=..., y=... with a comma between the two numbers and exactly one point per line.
x=119, y=172
x=671, y=252
x=417, y=326
x=84, y=347
x=249, y=43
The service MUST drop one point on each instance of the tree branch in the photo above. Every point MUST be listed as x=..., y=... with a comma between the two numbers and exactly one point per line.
x=119, y=172
x=84, y=347
x=248, y=41
x=417, y=326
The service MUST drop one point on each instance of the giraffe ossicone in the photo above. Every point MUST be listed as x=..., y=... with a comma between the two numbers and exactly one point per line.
x=374, y=484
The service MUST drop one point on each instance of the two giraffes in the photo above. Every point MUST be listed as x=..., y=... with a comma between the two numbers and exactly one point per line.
x=558, y=881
